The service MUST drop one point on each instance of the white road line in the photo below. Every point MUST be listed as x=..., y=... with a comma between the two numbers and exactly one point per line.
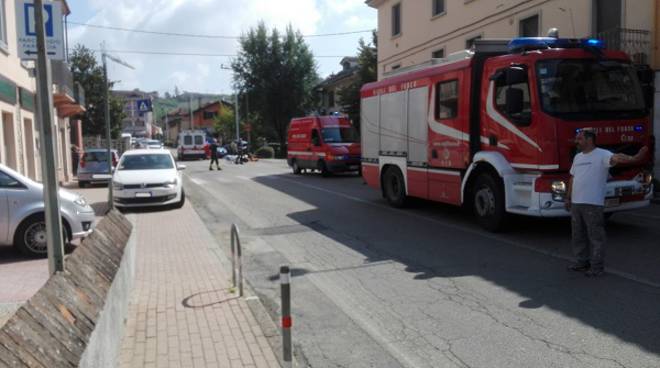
x=198, y=181
x=612, y=271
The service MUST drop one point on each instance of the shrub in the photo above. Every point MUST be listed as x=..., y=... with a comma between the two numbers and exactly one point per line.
x=265, y=152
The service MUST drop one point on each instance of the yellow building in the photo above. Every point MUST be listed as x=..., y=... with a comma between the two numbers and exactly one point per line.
x=19, y=137
x=411, y=32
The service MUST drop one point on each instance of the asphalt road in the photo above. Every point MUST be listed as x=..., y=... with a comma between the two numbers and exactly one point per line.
x=375, y=286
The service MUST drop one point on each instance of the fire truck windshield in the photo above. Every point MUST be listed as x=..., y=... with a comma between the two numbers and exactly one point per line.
x=590, y=89
x=339, y=135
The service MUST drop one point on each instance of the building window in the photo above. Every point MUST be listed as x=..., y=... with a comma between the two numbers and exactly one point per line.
x=446, y=101
x=529, y=27
x=438, y=54
x=608, y=15
x=3, y=26
x=208, y=115
x=331, y=98
x=438, y=7
x=470, y=42
x=395, y=67
x=396, y=20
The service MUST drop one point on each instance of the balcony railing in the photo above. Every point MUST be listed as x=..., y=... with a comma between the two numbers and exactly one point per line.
x=79, y=94
x=62, y=80
x=635, y=42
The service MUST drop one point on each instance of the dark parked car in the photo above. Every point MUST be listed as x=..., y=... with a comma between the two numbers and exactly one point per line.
x=94, y=161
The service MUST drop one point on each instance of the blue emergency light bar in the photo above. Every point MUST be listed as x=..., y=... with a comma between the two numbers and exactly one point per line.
x=539, y=43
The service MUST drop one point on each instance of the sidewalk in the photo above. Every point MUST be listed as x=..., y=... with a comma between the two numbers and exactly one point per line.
x=181, y=314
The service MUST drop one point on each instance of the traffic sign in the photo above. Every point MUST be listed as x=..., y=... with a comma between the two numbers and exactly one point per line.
x=144, y=105
x=26, y=34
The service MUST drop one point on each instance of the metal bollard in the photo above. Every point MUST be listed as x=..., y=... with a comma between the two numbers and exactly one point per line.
x=287, y=322
x=236, y=258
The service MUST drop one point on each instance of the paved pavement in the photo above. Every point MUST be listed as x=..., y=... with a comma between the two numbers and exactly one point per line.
x=20, y=276
x=182, y=313
x=425, y=287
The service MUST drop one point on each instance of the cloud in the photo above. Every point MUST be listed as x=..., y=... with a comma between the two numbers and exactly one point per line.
x=208, y=17
x=343, y=6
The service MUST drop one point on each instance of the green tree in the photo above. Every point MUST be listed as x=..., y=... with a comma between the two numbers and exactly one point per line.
x=89, y=74
x=349, y=97
x=277, y=72
x=224, y=124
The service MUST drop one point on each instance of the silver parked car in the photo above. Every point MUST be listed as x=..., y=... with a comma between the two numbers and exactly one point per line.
x=93, y=162
x=22, y=220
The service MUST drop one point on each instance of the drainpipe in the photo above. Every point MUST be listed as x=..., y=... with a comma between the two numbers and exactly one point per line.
x=66, y=38
x=656, y=35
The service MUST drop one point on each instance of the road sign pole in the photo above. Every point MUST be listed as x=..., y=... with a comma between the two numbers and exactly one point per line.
x=47, y=148
x=106, y=96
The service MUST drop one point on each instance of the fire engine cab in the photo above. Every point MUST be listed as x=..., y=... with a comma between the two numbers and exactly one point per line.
x=493, y=128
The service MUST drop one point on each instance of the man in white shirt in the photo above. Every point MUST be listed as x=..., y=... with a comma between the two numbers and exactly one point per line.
x=586, y=199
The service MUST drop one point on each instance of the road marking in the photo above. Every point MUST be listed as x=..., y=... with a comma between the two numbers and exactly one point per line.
x=198, y=181
x=223, y=180
x=613, y=271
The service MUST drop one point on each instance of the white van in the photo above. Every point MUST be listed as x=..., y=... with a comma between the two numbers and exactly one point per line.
x=190, y=145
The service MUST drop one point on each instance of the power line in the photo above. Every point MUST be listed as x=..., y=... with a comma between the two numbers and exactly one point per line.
x=170, y=53
x=194, y=35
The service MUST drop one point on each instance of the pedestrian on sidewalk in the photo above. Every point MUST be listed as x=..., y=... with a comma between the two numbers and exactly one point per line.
x=214, y=154
x=585, y=199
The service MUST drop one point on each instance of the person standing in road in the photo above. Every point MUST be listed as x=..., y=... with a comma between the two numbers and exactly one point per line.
x=585, y=200
x=214, y=155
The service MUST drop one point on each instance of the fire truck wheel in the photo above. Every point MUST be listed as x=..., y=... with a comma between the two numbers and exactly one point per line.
x=295, y=167
x=488, y=202
x=394, y=187
x=324, y=169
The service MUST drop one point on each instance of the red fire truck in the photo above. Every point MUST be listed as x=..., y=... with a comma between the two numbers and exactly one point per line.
x=493, y=128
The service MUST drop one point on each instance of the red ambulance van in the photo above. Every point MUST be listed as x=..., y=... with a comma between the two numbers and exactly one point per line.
x=328, y=144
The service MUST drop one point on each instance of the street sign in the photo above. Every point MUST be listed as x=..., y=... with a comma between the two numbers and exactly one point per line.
x=144, y=105
x=26, y=34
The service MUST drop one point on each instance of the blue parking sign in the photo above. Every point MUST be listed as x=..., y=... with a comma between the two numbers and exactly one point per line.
x=30, y=29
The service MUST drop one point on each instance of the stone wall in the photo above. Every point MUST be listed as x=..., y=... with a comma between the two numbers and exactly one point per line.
x=58, y=326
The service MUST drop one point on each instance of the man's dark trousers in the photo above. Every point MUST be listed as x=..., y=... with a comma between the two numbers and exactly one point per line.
x=588, y=223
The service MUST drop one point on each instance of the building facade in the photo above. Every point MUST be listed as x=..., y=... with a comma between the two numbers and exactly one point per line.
x=19, y=133
x=136, y=122
x=411, y=32
x=176, y=121
x=330, y=87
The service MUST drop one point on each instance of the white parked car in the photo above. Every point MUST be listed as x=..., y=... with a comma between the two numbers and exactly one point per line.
x=22, y=221
x=148, y=177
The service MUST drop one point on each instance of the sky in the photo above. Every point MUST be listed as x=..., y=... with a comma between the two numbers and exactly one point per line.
x=209, y=17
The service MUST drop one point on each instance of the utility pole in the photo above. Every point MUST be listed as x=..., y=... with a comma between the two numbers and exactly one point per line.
x=54, y=241
x=104, y=56
x=190, y=107
x=238, y=137
x=106, y=98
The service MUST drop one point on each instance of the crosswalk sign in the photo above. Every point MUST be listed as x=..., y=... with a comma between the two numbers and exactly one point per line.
x=144, y=105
